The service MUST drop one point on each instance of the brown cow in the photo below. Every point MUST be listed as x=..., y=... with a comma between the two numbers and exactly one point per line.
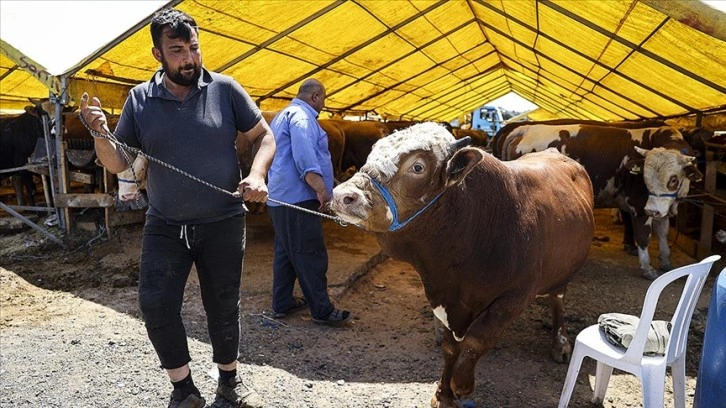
x=359, y=139
x=495, y=145
x=645, y=189
x=478, y=137
x=335, y=130
x=484, y=235
x=360, y=136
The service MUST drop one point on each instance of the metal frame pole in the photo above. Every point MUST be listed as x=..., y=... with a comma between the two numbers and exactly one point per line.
x=31, y=224
x=51, y=163
x=60, y=100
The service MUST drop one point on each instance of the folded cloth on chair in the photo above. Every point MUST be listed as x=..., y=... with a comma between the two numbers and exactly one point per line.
x=620, y=329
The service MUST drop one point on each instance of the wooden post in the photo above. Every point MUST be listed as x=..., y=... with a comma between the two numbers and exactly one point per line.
x=709, y=184
x=46, y=191
x=106, y=184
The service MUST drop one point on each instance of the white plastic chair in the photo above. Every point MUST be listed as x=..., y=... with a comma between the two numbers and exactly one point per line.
x=650, y=370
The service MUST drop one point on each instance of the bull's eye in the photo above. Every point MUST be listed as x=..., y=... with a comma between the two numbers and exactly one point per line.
x=417, y=168
x=673, y=183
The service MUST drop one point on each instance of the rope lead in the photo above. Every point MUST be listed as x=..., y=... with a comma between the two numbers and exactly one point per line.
x=106, y=134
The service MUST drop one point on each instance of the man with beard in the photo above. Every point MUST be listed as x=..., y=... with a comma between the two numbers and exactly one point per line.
x=189, y=117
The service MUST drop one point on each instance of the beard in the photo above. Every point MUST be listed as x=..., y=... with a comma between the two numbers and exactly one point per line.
x=182, y=78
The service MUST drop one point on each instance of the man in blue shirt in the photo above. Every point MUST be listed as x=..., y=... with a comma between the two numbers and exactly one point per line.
x=301, y=174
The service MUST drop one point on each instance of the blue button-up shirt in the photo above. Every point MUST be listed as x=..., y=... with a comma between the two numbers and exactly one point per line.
x=301, y=147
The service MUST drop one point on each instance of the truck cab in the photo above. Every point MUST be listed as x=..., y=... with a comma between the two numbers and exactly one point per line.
x=487, y=118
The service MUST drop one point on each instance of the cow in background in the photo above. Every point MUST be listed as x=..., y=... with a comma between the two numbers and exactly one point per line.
x=484, y=235
x=359, y=139
x=687, y=128
x=479, y=138
x=18, y=138
x=335, y=129
x=495, y=145
x=640, y=171
x=690, y=135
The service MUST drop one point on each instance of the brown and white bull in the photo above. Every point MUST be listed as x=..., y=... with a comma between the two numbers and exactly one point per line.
x=640, y=171
x=485, y=236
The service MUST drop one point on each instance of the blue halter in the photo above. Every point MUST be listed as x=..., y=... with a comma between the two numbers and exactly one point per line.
x=663, y=195
x=395, y=225
x=674, y=195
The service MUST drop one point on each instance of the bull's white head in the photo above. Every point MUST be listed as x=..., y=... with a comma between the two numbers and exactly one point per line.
x=667, y=174
x=404, y=174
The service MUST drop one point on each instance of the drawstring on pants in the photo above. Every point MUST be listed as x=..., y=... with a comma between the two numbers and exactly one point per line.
x=183, y=234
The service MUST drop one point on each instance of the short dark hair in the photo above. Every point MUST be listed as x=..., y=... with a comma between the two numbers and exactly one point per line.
x=181, y=24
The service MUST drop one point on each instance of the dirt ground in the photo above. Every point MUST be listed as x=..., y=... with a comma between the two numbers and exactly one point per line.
x=71, y=335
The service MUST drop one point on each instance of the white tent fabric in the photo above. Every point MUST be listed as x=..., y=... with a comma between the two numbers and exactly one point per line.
x=74, y=30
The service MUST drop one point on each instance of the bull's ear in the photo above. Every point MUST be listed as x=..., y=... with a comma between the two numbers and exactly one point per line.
x=461, y=163
x=692, y=173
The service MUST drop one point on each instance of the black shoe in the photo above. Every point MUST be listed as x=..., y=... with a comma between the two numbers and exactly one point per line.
x=178, y=400
x=335, y=317
x=235, y=394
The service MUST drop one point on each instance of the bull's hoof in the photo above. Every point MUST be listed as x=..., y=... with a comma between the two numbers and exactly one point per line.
x=665, y=267
x=650, y=274
x=561, y=354
x=631, y=249
x=462, y=386
x=443, y=403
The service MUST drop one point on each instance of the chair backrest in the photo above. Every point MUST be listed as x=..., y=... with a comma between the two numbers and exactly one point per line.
x=697, y=274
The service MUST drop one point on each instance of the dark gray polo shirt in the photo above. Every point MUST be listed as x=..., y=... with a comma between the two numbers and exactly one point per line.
x=196, y=135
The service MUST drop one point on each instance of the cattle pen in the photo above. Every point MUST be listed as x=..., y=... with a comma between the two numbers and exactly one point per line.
x=80, y=308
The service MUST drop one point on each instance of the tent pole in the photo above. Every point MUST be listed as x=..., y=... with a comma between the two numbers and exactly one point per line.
x=60, y=101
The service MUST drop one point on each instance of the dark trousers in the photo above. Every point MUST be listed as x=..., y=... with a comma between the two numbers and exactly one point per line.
x=167, y=255
x=300, y=254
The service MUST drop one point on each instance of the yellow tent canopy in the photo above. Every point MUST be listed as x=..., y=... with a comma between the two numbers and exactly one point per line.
x=429, y=60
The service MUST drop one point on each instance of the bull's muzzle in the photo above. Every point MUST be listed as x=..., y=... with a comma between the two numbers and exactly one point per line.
x=349, y=202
